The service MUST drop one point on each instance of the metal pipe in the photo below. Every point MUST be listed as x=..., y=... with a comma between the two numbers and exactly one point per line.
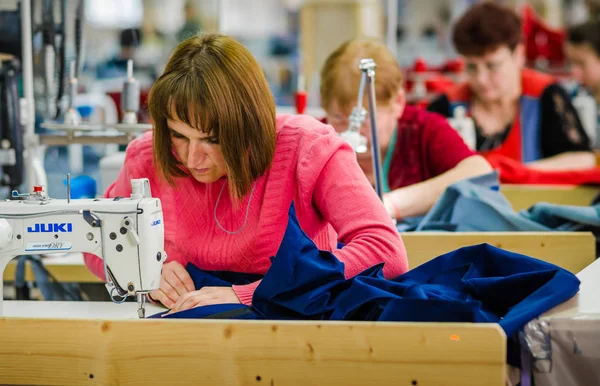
x=61, y=139
x=361, y=88
x=68, y=187
x=79, y=18
x=368, y=67
x=49, y=37
x=27, y=102
x=357, y=117
x=27, y=61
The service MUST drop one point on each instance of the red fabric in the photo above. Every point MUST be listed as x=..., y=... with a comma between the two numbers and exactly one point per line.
x=438, y=84
x=540, y=40
x=312, y=167
x=459, y=93
x=511, y=147
x=426, y=147
x=513, y=172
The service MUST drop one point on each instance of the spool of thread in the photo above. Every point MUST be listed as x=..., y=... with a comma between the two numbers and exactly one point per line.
x=301, y=97
x=73, y=84
x=130, y=100
x=82, y=187
x=465, y=127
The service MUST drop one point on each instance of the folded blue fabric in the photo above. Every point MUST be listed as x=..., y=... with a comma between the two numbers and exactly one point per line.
x=472, y=284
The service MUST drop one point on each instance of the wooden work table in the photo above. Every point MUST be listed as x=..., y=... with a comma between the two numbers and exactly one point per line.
x=524, y=196
x=67, y=268
x=572, y=251
x=104, y=344
x=100, y=343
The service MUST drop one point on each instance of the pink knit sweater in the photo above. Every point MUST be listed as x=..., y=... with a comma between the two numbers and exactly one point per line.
x=313, y=167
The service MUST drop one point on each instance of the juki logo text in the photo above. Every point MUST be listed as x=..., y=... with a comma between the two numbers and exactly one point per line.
x=52, y=227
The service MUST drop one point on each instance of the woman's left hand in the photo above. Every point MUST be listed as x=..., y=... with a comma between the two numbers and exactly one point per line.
x=204, y=297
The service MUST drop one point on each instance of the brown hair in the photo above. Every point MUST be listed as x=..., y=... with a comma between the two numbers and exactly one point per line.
x=214, y=84
x=587, y=33
x=486, y=27
x=340, y=75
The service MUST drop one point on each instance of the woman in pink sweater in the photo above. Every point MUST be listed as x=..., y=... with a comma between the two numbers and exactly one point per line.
x=227, y=169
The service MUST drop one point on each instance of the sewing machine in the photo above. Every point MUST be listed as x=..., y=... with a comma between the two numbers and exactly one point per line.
x=127, y=233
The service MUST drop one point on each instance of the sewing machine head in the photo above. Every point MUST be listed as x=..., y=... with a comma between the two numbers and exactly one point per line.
x=127, y=233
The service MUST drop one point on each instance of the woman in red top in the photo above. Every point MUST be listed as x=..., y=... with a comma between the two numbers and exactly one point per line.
x=520, y=114
x=227, y=170
x=421, y=153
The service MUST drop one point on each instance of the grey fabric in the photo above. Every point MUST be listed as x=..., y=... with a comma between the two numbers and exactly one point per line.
x=477, y=205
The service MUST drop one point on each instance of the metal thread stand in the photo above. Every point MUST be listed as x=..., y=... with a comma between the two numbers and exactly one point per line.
x=34, y=169
x=357, y=117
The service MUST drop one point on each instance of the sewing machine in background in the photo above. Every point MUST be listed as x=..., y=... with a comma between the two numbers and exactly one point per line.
x=127, y=233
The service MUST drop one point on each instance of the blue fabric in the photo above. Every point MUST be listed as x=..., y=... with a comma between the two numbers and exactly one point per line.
x=531, y=143
x=473, y=284
x=216, y=311
x=203, y=278
x=455, y=208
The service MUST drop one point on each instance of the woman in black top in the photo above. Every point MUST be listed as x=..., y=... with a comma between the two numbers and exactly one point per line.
x=503, y=98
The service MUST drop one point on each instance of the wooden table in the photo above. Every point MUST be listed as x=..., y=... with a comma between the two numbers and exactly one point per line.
x=524, y=196
x=104, y=344
x=570, y=250
x=93, y=343
x=68, y=268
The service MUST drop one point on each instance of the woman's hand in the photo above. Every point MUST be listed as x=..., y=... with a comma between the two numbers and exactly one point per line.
x=390, y=204
x=174, y=282
x=204, y=297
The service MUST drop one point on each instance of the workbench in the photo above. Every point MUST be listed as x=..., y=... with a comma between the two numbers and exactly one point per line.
x=525, y=196
x=76, y=343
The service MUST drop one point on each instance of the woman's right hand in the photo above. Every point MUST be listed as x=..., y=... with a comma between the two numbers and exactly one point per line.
x=174, y=282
